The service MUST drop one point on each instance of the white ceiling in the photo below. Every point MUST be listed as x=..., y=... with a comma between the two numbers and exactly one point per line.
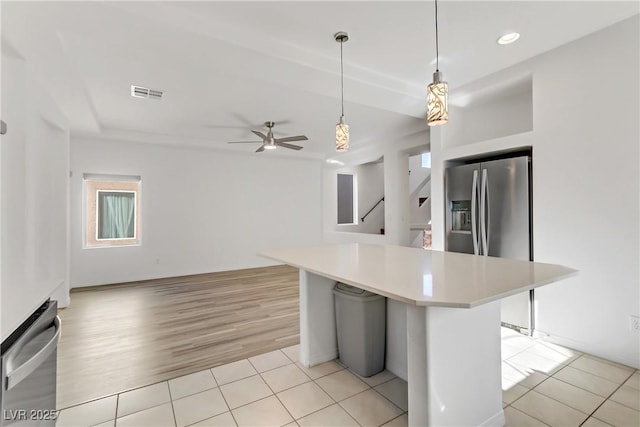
x=227, y=67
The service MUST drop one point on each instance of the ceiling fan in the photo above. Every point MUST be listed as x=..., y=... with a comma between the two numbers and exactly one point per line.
x=270, y=143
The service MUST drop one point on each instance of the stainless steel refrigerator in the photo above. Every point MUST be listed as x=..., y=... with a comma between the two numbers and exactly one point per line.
x=488, y=213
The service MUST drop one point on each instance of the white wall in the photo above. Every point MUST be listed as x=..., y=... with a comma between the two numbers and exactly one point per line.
x=418, y=173
x=586, y=191
x=396, y=189
x=586, y=186
x=34, y=195
x=419, y=214
x=499, y=116
x=202, y=210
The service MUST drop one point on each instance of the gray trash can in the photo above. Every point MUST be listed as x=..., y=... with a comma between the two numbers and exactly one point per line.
x=361, y=327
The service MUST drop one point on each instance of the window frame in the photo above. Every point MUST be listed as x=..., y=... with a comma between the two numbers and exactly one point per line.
x=92, y=186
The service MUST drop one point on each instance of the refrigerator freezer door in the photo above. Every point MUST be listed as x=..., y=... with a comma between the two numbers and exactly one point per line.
x=507, y=225
x=508, y=214
x=462, y=185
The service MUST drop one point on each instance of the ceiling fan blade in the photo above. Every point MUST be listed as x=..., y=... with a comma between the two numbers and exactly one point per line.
x=292, y=138
x=293, y=147
x=260, y=134
x=260, y=149
x=247, y=123
x=244, y=142
x=223, y=127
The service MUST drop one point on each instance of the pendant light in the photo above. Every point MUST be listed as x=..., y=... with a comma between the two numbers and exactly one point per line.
x=438, y=91
x=342, y=129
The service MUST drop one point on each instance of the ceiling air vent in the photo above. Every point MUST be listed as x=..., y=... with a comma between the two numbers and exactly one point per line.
x=143, y=92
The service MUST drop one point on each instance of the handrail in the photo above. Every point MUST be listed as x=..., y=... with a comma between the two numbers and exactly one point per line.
x=370, y=210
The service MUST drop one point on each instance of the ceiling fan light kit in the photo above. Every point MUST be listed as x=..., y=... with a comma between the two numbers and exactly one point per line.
x=438, y=91
x=342, y=128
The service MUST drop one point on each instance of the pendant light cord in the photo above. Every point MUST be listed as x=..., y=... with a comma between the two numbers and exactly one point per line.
x=341, y=79
x=437, y=50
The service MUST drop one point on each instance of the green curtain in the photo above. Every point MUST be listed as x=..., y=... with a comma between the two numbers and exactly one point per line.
x=116, y=215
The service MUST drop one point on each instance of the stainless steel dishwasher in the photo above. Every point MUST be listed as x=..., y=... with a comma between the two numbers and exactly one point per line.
x=28, y=392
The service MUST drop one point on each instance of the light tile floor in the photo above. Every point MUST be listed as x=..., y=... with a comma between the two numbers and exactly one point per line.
x=543, y=384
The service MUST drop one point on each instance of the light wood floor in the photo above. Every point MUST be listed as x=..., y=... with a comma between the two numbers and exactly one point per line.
x=120, y=337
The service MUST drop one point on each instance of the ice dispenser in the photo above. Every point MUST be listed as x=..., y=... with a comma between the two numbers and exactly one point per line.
x=461, y=215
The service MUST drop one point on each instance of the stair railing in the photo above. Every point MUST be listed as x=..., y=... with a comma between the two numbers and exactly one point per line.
x=371, y=210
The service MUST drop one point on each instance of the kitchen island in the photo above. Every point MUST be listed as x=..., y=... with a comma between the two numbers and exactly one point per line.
x=453, y=318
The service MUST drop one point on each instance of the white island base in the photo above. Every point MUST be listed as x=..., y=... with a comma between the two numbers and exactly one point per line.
x=453, y=356
x=453, y=319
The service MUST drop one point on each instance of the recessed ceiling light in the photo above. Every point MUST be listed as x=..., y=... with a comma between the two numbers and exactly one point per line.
x=509, y=38
x=335, y=162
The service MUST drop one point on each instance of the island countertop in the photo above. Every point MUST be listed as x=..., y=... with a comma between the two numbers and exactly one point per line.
x=422, y=277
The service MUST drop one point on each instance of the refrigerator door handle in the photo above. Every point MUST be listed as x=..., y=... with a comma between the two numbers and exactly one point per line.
x=474, y=204
x=488, y=222
x=14, y=376
x=484, y=214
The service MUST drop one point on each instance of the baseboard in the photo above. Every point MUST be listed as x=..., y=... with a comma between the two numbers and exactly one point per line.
x=497, y=420
x=64, y=302
x=397, y=370
x=61, y=294
x=316, y=359
x=585, y=348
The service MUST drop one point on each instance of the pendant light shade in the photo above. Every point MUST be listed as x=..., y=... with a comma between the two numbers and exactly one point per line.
x=342, y=135
x=438, y=91
x=437, y=101
x=342, y=129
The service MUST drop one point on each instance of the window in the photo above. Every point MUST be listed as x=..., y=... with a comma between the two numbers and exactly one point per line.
x=112, y=210
x=426, y=160
x=347, y=201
